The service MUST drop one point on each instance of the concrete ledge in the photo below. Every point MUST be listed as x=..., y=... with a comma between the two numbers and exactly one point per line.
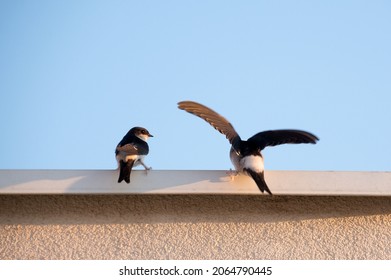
x=228, y=227
x=193, y=182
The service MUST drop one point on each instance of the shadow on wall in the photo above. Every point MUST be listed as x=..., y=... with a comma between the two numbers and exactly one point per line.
x=154, y=209
x=103, y=181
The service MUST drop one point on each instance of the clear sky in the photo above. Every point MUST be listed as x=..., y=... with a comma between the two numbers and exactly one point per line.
x=75, y=76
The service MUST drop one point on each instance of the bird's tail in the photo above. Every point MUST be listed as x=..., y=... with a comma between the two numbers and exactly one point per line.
x=259, y=178
x=124, y=171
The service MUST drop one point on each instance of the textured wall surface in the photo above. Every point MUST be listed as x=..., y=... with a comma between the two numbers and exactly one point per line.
x=194, y=227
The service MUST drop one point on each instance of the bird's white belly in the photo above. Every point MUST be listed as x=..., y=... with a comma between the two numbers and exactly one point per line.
x=138, y=159
x=135, y=158
x=252, y=162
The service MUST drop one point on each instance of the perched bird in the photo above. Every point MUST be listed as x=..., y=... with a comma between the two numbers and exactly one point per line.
x=246, y=155
x=131, y=151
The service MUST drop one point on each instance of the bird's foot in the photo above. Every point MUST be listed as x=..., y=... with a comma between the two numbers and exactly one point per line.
x=232, y=174
x=147, y=169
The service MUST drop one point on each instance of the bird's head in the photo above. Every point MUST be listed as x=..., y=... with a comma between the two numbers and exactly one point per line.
x=141, y=133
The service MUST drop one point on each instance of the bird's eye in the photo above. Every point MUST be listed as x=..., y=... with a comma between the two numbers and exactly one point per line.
x=143, y=131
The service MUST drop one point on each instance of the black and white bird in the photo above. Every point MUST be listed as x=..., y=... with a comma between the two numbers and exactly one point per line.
x=246, y=155
x=131, y=151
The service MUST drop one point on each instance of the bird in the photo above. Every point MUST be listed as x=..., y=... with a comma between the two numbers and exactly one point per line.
x=246, y=155
x=131, y=151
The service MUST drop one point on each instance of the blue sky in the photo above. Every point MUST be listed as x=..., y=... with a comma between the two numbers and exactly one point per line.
x=75, y=76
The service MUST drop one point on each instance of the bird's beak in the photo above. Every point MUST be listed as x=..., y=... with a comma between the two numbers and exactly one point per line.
x=150, y=135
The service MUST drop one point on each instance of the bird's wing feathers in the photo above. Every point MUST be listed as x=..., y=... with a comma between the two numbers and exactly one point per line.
x=127, y=149
x=283, y=136
x=133, y=149
x=214, y=119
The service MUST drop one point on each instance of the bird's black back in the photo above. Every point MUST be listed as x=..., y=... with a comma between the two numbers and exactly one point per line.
x=135, y=143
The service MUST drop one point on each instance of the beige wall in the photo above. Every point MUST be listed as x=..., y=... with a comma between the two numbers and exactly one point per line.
x=194, y=227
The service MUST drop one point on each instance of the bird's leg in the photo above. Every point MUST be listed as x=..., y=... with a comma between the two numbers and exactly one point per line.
x=232, y=174
x=146, y=167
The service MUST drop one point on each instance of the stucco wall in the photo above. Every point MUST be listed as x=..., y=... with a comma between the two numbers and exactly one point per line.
x=194, y=227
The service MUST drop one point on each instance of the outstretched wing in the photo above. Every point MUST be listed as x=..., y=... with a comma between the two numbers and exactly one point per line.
x=282, y=136
x=214, y=119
